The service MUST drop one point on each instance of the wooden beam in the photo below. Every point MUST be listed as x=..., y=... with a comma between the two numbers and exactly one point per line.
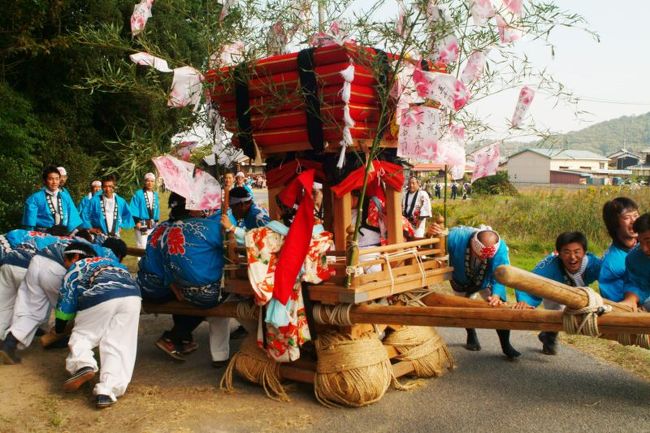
x=394, y=216
x=342, y=219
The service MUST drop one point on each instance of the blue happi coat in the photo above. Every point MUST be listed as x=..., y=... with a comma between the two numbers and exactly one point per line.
x=55, y=251
x=95, y=216
x=457, y=244
x=138, y=207
x=89, y=282
x=37, y=213
x=84, y=204
x=255, y=218
x=611, y=280
x=551, y=267
x=192, y=251
x=637, y=274
x=151, y=268
x=25, y=245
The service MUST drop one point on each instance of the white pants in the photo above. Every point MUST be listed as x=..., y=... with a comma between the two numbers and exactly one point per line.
x=141, y=238
x=113, y=326
x=420, y=230
x=10, y=278
x=36, y=296
x=220, y=329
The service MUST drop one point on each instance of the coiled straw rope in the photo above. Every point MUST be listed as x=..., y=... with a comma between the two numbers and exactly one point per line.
x=351, y=372
x=253, y=364
x=641, y=340
x=424, y=347
x=584, y=321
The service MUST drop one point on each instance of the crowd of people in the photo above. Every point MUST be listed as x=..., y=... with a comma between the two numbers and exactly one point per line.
x=67, y=259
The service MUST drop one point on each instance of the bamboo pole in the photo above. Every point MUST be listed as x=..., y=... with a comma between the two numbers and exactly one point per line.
x=488, y=318
x=549, y=289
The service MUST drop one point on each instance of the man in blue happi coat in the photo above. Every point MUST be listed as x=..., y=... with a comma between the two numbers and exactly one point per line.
x=39, y=291
x=145, y=208
x=475, y=253
x=573, y=266
x=19, y=247
x=49, y=207
x=84, y=203
x=108, y=213
x=619, y=215
x=243, y=214
x=637, y=267
x=104, y=300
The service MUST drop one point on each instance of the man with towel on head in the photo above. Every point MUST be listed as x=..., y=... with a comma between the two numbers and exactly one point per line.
x=475, y=253
x=145, y=208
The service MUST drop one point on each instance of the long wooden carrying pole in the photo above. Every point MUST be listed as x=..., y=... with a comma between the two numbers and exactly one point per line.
x=548, y=289
x=491, y=318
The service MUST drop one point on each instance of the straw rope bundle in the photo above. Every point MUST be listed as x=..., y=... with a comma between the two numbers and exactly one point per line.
x=351, y=372
x=253, y=364
x=424, y=347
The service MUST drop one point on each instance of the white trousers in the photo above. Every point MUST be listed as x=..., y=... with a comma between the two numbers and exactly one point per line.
x=141, y=238
x=113, y=326
x=10, y=278
x=220, y=329
x=36, y=296
x=420, y=230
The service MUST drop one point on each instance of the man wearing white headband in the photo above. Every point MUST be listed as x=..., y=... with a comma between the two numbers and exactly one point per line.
x=242, y=216
x=475, y=254
x=145, y=208
x=39, y=292
x=240, y=181
x=95, y=188
x=416, y=206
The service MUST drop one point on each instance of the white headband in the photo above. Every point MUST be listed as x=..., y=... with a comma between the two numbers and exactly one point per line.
x=96, y=183
x=70, y=252
x=149, y=176
x=318, y=185
x=481, y=250
x=237, y=200
x=240, y=174
x=62, y=171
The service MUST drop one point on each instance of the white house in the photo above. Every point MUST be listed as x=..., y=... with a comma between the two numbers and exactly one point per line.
x=539, y=165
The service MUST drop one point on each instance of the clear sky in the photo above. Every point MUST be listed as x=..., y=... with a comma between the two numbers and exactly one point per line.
x=612, y=76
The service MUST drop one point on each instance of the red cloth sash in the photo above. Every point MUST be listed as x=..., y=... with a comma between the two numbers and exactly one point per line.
x=391, y=174
x=282, y=175
x=296, y=244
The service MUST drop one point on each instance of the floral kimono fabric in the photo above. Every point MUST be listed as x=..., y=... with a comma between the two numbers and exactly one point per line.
x=283, y=327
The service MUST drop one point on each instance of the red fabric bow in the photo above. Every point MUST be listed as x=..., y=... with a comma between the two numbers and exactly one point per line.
x=296, y=244
x=391, y=174
x=282, y=175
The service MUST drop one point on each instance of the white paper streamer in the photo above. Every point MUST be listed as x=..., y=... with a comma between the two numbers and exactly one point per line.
x=146, y=59
x=186, y=88
x=526, y=95
x=141, y=13
x=348, y=76
x=474, y=67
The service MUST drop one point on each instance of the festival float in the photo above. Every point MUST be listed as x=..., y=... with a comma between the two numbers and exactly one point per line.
x=356, y=320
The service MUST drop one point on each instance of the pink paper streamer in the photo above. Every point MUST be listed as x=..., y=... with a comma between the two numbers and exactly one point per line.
x=514, y=6
x=507, y=33
x=419, y=133
x=451, y=151
x=141, y=13
x=230, y=54
x=447, y=50
x=474, y=67
x=486, y=161
x=206, y=192
x=526, y=95
x=444, y=88
x=482, y=11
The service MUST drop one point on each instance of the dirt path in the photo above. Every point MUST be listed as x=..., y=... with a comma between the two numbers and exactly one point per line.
x=571, y=391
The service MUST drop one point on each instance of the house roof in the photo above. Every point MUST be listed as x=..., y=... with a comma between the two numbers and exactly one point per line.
x=622, y=153
x=564, y=154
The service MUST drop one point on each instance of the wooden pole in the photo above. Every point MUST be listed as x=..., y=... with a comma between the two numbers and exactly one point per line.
x=489, y=318
x=545, y=288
